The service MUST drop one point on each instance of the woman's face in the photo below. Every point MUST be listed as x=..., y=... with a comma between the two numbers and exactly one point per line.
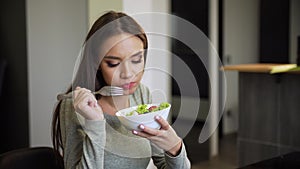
x=123, y=64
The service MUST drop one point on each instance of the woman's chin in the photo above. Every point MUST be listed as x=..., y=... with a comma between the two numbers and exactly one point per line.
x=130, y=91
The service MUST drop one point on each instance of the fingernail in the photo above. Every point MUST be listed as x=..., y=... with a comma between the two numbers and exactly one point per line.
x=134, y=132
x=157, y=117
x=142, y=126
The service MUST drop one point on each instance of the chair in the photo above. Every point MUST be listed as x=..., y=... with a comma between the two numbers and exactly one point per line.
x=33, y=158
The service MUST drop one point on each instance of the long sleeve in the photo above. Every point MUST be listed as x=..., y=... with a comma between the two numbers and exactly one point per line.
x=164, y=161
x=83, y=145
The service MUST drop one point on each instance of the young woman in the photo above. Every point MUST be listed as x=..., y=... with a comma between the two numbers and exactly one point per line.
x=114, y=54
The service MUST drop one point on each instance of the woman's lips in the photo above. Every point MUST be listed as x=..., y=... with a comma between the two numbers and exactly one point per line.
x=128, y=86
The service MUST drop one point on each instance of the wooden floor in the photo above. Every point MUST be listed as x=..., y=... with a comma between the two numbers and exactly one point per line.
x=227, y=158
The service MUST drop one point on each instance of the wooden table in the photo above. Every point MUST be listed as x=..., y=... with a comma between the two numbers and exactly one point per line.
x=269, y=112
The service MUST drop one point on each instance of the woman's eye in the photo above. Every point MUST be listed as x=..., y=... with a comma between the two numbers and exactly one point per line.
x=110, y=64
x=137, y=60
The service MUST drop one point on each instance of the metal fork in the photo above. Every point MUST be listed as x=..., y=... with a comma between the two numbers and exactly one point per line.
x=104, y=91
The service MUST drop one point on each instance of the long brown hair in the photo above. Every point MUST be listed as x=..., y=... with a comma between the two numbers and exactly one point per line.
x=122, y=24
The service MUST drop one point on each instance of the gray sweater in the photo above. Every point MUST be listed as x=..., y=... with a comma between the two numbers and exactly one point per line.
x=107, y=144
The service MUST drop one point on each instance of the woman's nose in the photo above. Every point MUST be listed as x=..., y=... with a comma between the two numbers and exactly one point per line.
x=126, y=71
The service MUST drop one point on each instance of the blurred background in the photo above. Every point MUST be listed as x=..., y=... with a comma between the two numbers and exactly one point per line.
x=40, y=42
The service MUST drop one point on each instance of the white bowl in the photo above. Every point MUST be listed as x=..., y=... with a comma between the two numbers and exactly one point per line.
x=148, y=119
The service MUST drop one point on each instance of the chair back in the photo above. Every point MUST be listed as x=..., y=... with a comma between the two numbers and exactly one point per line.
x=31, y=158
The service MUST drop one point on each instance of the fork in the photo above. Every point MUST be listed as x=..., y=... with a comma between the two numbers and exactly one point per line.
x=104, y=91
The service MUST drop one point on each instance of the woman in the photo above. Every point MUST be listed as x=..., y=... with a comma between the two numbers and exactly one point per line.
x=114, y=53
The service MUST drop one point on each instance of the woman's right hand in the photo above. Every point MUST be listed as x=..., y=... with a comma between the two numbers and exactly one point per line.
x=86, y=104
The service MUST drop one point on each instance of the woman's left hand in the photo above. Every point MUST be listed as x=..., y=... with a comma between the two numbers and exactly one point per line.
x=165, y=138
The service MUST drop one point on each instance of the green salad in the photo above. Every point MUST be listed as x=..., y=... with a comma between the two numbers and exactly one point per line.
x=143, y=109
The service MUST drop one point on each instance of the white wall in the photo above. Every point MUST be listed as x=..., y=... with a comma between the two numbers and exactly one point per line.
x=97, y=7
x=294, y=28
x=241, y=40
x=55, y=31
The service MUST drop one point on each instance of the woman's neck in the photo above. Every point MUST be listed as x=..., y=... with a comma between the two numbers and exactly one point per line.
x=111, y=105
